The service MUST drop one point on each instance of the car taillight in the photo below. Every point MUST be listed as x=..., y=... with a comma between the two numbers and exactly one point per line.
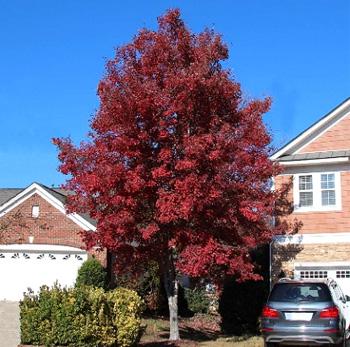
x=330, y=312
x=269, y=312
x=332, y=331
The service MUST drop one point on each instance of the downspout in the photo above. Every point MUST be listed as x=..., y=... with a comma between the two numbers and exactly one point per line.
x=270, y=264
x=270, y=244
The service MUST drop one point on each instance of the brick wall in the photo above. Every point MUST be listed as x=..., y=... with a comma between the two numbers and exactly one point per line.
x=328, y=221
x=336, y=138
x=284, y=257
x=51, y=227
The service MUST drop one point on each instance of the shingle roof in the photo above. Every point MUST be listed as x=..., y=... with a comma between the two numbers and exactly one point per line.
x=58, y=193
x=315, y=155
x=8, y=193
x=61, y=194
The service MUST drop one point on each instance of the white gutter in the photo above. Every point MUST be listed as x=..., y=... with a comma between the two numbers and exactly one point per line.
x=317, y=238
x=40, y=248
x=307, y=162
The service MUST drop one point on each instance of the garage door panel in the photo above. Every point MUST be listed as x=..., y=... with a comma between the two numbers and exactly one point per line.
x=337, y=272
x=22, y=270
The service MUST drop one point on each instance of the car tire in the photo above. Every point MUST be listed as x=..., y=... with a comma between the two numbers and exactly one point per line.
x=270, y=344
x=344, y=343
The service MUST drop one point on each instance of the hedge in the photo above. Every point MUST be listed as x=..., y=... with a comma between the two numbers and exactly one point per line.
x=92, y=273
x=81, y=317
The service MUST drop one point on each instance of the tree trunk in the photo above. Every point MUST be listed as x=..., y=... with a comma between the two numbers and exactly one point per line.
x=171, y=285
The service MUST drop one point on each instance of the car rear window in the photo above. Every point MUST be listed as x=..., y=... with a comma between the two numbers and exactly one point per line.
x=295, y=292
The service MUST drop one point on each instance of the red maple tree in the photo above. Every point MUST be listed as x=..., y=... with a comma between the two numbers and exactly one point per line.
x=177, y=166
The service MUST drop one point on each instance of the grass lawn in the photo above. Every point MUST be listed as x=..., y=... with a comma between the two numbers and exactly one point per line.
x=205, y=334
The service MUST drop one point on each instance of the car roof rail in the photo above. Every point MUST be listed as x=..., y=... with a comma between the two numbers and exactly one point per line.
x=331, y=281
x=285, y=279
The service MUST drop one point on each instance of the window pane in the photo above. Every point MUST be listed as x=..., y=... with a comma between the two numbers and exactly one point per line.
x=305, y=182
x=305, y=199
x=328, y=197
x=313, y=274
x=327, y=181
x=295, y=292
x=343, y=274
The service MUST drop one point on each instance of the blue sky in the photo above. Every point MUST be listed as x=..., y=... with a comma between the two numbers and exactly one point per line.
x=53, y=55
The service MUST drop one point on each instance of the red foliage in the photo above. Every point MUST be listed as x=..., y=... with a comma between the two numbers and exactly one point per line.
x=177, y=162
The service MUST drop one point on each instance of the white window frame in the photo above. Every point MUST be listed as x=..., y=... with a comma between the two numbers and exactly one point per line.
x=317, y=195
x=35, y=211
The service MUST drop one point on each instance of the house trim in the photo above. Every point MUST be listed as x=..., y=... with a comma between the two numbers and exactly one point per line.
x=315, y=161
x=313, y=129
x=40, y=248
x=322, y=132
x=35, y=188
x=320, y=264
x=317, y=238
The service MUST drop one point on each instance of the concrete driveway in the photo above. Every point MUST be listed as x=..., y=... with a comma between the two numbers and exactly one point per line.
x=9, y=324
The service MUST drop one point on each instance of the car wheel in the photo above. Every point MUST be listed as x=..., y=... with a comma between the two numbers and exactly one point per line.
x=344, y=343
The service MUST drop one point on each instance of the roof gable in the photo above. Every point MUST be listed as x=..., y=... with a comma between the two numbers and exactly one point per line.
x=11, y=198
x=300, y=143
x=334, y=138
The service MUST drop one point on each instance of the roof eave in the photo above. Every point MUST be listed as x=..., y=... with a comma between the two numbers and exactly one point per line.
x=314, y=127
x=47, y=195
x=308, y=162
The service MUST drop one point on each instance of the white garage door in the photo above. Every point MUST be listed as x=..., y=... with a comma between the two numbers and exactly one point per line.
x=339, y=271
x=31, y=266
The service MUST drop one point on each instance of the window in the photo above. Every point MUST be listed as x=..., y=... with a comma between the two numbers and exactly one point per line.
x=317, y=191
x=305, y=191
x=328, y=189
x=313, y=274
x=35, y=211
x=343, y=274
x=295, y=292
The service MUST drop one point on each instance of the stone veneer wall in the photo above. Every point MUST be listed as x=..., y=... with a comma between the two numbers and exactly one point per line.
x=283, y=257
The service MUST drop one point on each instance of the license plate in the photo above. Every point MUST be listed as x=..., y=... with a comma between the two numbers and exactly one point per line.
x=304, y=316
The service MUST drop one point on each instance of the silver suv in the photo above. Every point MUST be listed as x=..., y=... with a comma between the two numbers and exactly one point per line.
x=306, y=312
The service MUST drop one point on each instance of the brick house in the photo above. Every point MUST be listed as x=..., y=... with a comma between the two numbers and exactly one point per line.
x=39, y=242
x=318, y=163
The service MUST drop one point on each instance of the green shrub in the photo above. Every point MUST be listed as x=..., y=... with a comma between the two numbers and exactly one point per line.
x=197, y=300
x=82, y=317
x=92, y=273
x=126, y=309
